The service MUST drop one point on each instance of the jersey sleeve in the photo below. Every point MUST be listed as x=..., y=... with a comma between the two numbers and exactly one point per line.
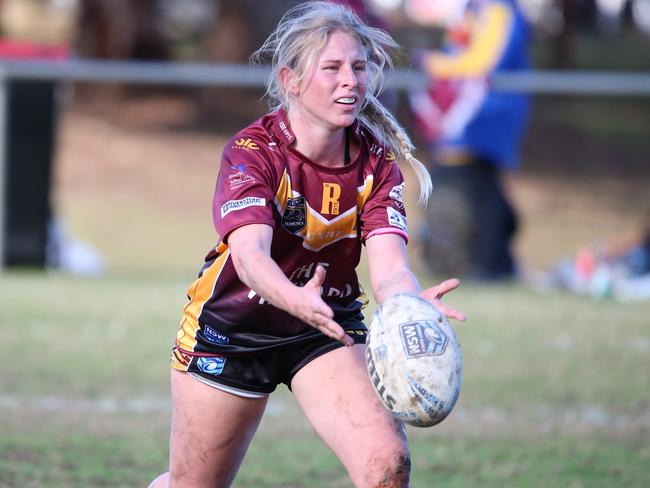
x=244, y=190
x=384, y=212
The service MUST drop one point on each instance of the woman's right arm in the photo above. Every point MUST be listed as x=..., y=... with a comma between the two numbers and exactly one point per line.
x=250, y=249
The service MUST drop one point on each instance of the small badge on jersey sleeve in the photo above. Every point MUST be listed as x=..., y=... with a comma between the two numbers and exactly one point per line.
x=397, y=195
x=294, y=218
x=396, y=219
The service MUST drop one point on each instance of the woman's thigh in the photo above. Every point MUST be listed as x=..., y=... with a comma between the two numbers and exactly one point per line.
x=211, y=430
x=335, y=393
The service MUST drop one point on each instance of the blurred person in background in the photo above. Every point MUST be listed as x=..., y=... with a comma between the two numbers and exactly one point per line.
x=474, y=134
x=360, y=7
x=278, y=299
x=619, y=270
x=33, y=31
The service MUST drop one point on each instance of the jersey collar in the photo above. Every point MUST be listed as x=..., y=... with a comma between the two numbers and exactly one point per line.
x=283, y=130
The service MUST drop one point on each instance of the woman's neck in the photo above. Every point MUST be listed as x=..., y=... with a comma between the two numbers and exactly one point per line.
x=319, y=144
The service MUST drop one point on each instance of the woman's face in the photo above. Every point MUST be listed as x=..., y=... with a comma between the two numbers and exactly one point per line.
x=332, y=94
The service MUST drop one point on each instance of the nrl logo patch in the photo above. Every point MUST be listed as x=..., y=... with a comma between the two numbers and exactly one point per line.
x=294, y=218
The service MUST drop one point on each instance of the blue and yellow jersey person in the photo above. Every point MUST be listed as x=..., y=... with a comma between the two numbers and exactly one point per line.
x=463, y=118
x=474, y=133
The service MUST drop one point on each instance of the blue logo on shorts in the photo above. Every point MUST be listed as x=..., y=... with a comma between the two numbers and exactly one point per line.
x=213, y=336
x=211, y=365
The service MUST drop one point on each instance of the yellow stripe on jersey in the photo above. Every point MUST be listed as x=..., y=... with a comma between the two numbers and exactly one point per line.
x=319, y=231
x=284, y=191
x=363, y=191
x=484, y=50
x=199, y=293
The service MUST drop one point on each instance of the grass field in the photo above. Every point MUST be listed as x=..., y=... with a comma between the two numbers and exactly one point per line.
x=555, y=392
x=556, y=388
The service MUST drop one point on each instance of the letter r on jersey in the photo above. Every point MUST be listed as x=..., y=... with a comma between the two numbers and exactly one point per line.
x=331, y=195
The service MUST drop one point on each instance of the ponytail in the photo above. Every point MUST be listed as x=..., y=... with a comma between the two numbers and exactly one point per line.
x=384, y=126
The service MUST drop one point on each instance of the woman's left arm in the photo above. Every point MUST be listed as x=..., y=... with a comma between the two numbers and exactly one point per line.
x=390, y=274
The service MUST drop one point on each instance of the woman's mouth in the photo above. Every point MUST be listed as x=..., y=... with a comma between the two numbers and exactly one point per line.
x=347, y=100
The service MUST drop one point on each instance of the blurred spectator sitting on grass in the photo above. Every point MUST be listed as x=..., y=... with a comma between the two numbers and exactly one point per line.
x=474, y=134
x=621, y=272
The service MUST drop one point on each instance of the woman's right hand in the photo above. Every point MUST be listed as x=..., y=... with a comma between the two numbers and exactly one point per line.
x=309, y=307
x=250, y=247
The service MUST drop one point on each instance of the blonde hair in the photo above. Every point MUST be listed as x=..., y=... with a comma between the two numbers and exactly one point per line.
x=302, y=34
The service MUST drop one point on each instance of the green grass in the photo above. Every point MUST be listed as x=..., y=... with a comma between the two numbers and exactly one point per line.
x=555, y=392
x=62, y=460
x=549, y=462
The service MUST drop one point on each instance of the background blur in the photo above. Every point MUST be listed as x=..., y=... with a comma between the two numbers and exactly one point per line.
x=556, y=387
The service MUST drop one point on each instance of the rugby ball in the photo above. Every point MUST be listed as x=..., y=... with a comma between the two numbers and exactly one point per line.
x=414, y=360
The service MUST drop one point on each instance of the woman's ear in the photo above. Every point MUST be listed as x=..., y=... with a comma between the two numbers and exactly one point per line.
x=288, y=80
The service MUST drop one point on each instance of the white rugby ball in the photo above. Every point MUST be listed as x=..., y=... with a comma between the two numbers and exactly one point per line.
x=414, y=360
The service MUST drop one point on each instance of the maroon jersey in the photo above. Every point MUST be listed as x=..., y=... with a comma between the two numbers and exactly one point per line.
x=319, y=215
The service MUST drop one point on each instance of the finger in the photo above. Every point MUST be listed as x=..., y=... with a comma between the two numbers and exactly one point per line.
x=447, y=286
x=450, y=312
x=325, y=310
x=342, y=337
x=335, y=331
x=441, y=290
x=318, y=278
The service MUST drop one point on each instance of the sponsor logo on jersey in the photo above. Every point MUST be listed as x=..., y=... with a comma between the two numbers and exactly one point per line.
x=331, y=195
x=423, y=339
x=213, y=336
x=213, y=366
x=396, y=219
x=285, y=131
x=247, y=144
x=390, y=156
x=335, y=292
x=240, y=176
x=302, y=274
x=397, y=193
x=294, y=218
x=376, y=149
x=232, y=205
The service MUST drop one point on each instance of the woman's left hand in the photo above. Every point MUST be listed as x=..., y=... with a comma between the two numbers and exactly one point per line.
x=435, y=293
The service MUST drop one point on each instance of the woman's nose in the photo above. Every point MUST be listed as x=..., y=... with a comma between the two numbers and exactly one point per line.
x=348, y=77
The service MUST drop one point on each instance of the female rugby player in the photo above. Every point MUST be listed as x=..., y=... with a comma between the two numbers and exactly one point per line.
x=278, y=300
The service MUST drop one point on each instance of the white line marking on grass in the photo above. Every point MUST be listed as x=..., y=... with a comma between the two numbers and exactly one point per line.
x=543, y=418
x=111, y=405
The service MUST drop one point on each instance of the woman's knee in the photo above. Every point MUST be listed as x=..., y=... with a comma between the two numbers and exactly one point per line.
x=389, y=468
